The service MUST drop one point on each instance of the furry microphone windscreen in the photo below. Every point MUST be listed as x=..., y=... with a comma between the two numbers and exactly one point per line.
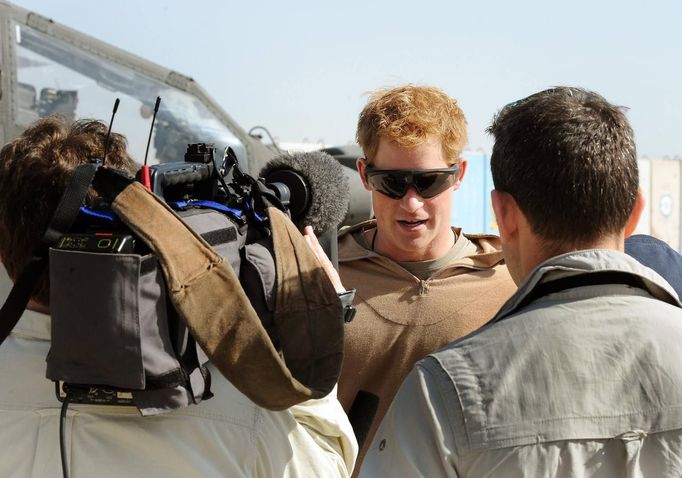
x=328, y=190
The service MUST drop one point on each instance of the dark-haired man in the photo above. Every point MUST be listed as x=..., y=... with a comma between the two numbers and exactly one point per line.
x=579, y=373
x=227, y=436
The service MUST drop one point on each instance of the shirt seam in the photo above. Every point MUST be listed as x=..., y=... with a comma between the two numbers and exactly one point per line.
x=446, y=379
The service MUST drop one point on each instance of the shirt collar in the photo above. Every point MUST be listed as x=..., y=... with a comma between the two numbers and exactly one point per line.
x=587, y=262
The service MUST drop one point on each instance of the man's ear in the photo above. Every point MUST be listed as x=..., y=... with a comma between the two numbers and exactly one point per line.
x=460, y=174
x=636, y=214
x=506, y=214
x=361, y=165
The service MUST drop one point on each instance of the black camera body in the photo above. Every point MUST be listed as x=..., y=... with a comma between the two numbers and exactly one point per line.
x=193, y=178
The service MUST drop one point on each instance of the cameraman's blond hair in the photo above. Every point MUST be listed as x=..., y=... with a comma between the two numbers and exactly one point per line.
x=408, y=115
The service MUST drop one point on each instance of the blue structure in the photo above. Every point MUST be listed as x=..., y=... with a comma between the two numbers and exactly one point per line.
x=471, y=209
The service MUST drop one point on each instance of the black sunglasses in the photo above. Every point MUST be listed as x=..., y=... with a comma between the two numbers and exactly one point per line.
x=395, y=182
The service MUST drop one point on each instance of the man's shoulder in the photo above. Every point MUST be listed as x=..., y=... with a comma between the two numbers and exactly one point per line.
x=488, y=248
x=476, y=253
x=565, y=312
x=492, y=239
x=570, y=311
x=535, y=355
x=349, y=247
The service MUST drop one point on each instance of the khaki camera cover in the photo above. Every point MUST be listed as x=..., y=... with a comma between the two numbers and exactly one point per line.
x=209, y=298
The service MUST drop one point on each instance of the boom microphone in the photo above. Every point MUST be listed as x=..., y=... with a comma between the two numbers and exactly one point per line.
x=318, y=188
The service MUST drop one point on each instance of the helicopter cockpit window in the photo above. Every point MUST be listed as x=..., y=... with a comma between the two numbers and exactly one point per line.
x=55, y=77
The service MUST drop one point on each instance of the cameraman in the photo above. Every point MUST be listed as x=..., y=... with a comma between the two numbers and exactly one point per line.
x=226, y=436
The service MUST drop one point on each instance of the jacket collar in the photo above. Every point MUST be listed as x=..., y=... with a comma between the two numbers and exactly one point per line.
x=489, y=250
x=588, y=262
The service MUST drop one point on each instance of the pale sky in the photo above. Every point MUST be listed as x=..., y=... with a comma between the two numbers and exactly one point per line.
x=303, y=68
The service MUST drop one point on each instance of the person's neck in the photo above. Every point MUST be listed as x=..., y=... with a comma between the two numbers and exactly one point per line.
x=435, y=251
x=38, y=307
x=544, y=250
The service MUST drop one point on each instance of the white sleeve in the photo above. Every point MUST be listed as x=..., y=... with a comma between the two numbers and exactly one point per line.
x=316, y=440
x=413, y=439
x=328, y=425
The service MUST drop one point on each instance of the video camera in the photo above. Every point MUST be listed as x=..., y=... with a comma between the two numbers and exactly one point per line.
x=118, y=335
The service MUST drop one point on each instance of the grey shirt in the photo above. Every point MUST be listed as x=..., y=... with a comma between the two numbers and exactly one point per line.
x=585, y=381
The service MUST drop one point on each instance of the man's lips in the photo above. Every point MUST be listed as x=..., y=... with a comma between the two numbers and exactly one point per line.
x=412, y=222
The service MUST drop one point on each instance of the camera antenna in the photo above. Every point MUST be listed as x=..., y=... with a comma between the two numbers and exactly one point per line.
x=145, y=177
x=106, y=141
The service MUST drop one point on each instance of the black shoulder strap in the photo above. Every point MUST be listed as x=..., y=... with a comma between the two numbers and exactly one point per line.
x=20, y=295
x=69, y=204
x=62, y=220
x=582, y=280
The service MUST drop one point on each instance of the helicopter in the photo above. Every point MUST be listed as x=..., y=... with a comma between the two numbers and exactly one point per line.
x=48, y=68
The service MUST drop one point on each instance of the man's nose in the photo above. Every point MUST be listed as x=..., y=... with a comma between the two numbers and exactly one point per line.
x=411, y=201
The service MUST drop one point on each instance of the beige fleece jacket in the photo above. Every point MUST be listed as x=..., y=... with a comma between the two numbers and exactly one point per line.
x=400, y=319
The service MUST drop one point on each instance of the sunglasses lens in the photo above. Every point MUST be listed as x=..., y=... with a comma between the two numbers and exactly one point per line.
x=393, y=185
x=432, y=184
x=428, y=183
